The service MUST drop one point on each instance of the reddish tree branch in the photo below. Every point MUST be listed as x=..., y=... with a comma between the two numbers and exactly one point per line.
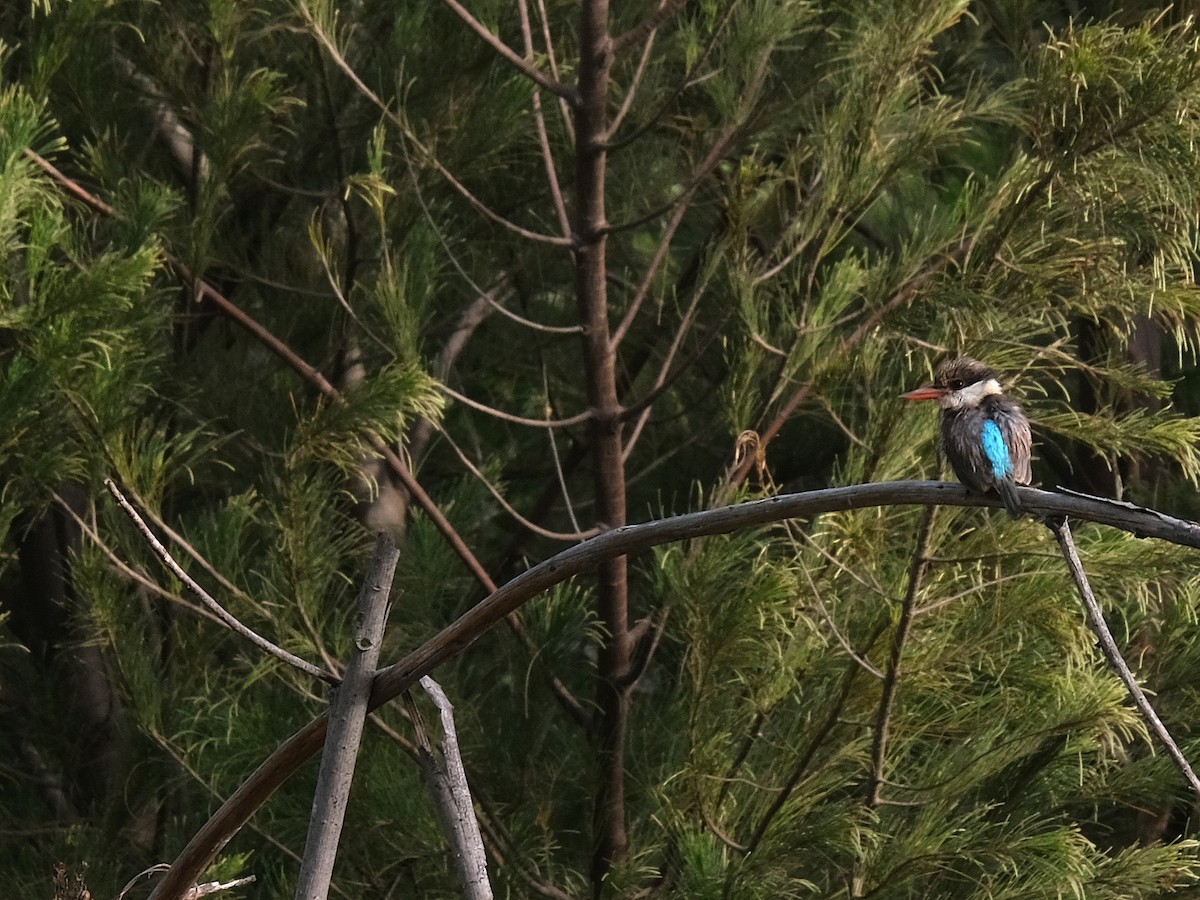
x=565, y=91
x=645, y=29
x=539, y=121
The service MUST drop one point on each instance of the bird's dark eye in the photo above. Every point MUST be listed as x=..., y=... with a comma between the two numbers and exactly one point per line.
x=957, y=384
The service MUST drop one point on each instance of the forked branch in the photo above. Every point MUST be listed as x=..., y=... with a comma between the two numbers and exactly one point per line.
x=566, y=91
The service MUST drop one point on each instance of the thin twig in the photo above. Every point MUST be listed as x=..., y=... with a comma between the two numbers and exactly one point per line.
x=635, y=83
x=666, y=379
x=1108, y=646
x=612, y=143
x=842, y=566
x=645, y=29
x=558, y=468
x=197, y=557
x=837, y=632
x=568, y=120
x=974, y=589
x=127, y=570
x=537, y=326
x=468, y=323
x=682, y=203
x=565, y=91
x=228, y=618
x=643, y=291
x=891, y=676
x=508, y=507
x=489, y=213
x=720, y=835
x=539, y=120
x=577, y=419
x=752, y=736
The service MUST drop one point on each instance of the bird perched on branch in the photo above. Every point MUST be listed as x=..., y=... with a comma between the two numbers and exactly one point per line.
x=985, y=435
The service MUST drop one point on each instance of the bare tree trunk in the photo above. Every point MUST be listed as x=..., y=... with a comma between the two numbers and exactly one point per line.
x=591, y=121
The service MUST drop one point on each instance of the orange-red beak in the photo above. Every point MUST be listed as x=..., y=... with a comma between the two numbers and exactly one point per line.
x=925, y=393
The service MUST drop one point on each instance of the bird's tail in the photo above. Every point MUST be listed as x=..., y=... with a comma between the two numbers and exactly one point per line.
x=1007, y=489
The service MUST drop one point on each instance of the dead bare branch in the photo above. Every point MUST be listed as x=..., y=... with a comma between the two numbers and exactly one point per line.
x=1108, y=646
x=231, y=621
x=447, y=781
x=347, y=714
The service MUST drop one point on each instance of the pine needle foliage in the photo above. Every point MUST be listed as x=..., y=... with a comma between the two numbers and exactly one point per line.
x=806, y=203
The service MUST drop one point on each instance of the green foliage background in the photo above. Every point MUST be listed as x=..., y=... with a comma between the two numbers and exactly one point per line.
x=1013, y=179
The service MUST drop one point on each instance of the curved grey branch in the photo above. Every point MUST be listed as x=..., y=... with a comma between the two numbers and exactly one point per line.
x=460, y=634
x=456, y=637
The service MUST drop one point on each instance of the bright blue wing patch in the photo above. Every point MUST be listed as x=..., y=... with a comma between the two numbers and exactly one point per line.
x=996, y=449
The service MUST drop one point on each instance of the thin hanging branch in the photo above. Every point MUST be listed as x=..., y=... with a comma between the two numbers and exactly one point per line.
x=134, y=575
x=577, y=419
x=231, y=621
x=891, y=678
x=498, y=496
x=1108, y=646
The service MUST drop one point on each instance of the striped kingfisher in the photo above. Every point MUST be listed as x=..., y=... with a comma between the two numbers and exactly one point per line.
x=985, y=435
